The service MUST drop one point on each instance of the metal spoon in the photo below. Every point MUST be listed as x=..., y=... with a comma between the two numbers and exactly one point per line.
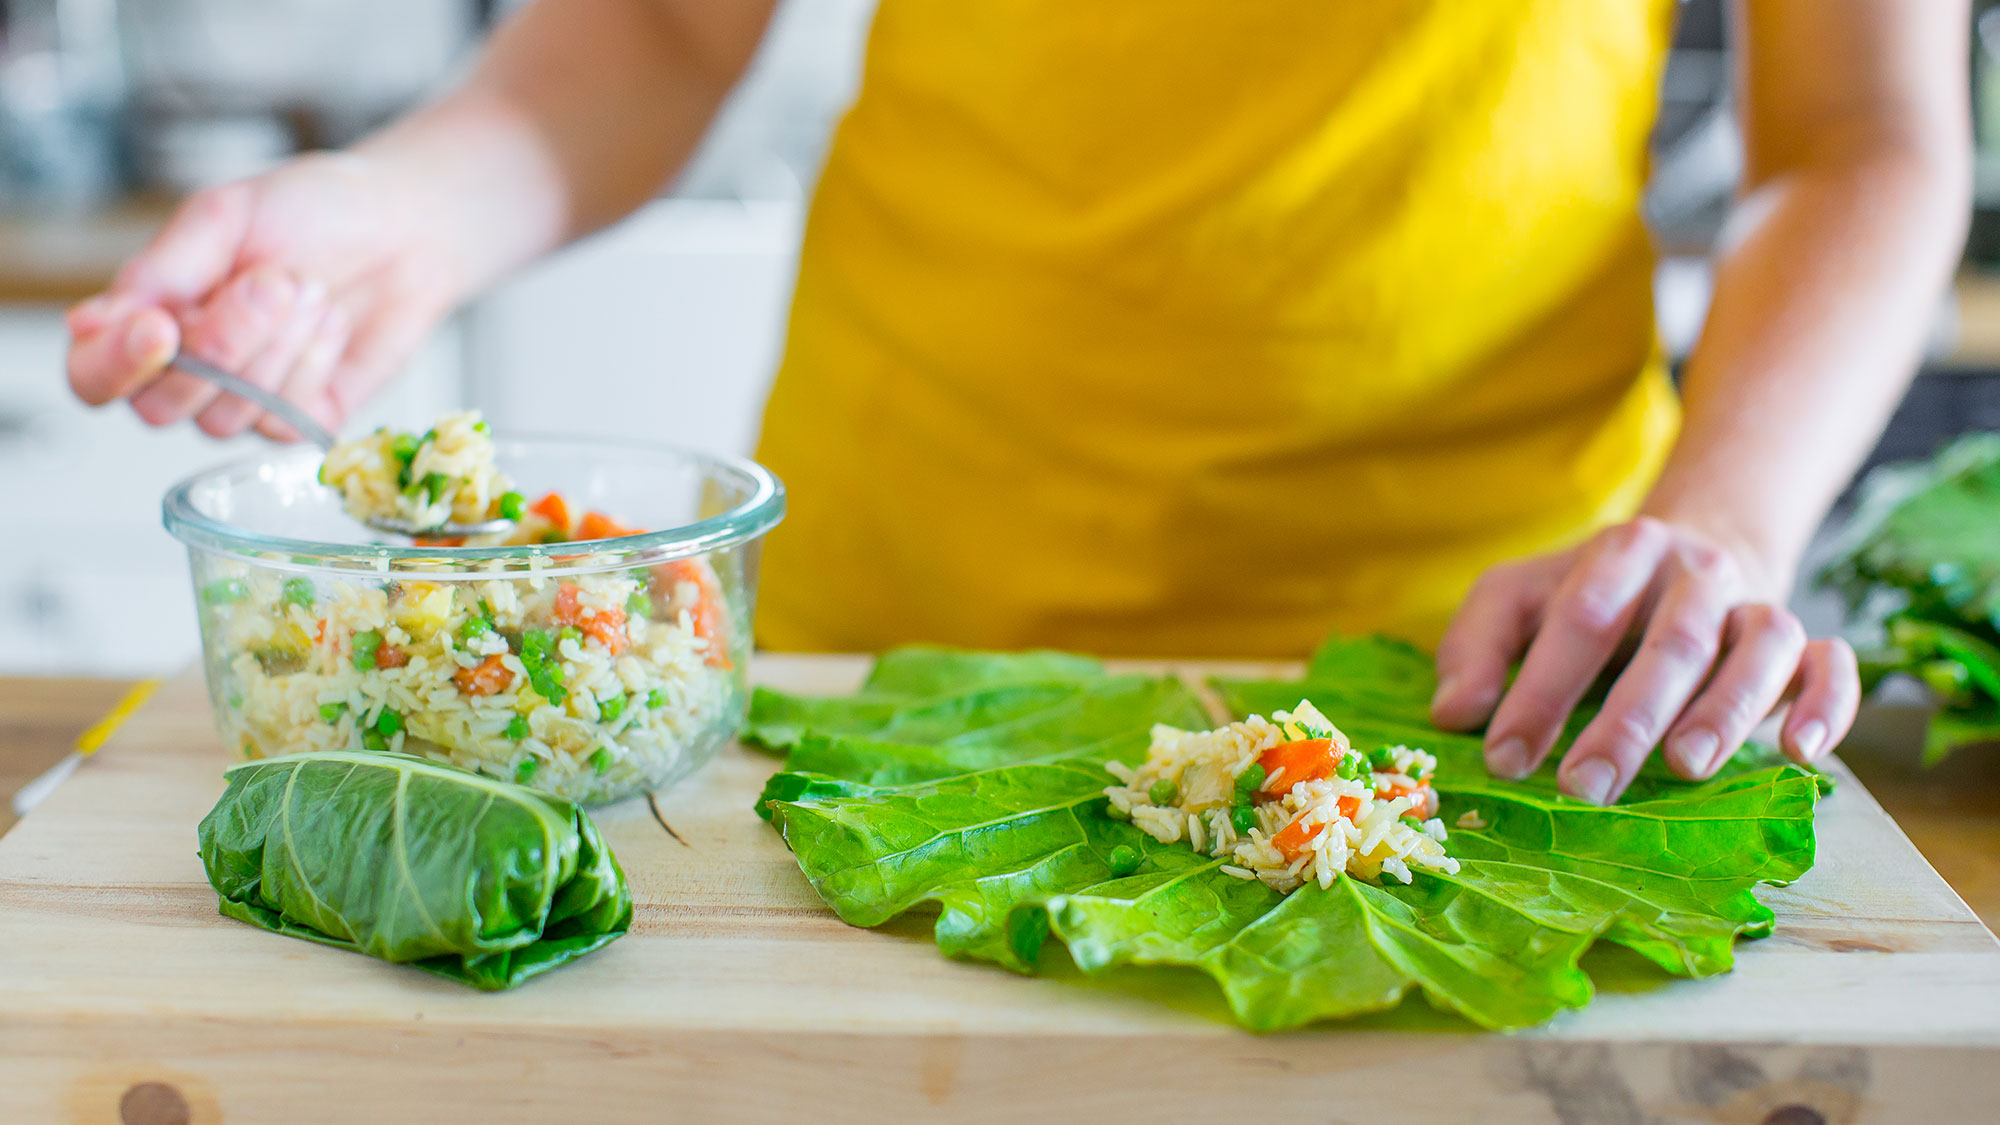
x=319, y=435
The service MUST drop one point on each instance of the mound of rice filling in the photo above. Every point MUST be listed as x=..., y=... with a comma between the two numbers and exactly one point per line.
x=1287, y=800
x=446, y=475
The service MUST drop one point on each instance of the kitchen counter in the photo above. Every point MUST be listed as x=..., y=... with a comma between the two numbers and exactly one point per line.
x=1952, y=812
x=61, y=259
x=737, y=994
x=39, y=721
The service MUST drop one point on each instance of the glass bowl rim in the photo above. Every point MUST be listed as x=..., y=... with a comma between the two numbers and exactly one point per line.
x=756, y=514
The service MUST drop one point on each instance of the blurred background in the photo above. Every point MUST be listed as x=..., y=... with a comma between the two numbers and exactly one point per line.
x=110, y=110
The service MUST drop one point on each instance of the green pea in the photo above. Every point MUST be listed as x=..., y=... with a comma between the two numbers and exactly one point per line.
x=1244, y=818
x=365, y=644
x=517, y=728
x=513, y=505
x=1116, y=813
x=389, y=722
x=1250, y=780
x=1163, y=791
x=224, y=591
x=372, y=740
x=1381, y=759
x=657, y=698
x=608, y=710
x=298, y=592
x=525, y=772
x=1419, y=771
x=600, y=759
x=331, y=712
x=480, y=427
x=1351, y=765
x=1123, y=860
x=475, y=627
x=570, y=633
x=434, y=486
x=639, y=605
x=404, y=448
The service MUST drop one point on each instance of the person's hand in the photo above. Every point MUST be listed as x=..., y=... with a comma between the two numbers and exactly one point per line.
x=314, y=279
x=1716, y=651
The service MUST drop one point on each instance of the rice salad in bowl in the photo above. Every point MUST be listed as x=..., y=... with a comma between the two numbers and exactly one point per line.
x=573, y=653
x=1287, y=801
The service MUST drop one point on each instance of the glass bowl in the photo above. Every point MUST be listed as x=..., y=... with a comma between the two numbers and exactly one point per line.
x=592, y=669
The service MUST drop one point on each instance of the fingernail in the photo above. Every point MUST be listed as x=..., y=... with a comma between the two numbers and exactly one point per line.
x=1692, y=751
x=1809, y=738
x=1591, y=780
x=146, y=338
x=1509, y=759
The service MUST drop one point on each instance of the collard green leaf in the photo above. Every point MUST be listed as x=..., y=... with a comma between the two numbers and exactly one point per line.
x=1919, y=566
x=414, y=862
x=1928, y=529
x=923, y=694
x=1015, y=847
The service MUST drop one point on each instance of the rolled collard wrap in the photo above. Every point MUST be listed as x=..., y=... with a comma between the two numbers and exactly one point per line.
x=414, y=862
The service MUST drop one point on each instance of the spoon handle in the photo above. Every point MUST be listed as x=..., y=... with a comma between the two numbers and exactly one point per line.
x=290, y=414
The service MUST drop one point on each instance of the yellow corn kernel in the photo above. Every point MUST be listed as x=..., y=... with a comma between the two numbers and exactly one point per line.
x=423, y=609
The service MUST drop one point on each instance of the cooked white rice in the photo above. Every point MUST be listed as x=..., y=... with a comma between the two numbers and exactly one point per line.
x=450, y=476
x=638, y=659
x=1197, y=772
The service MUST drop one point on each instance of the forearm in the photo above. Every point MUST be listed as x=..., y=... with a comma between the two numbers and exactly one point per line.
x=1823, y=297
x=579, y=112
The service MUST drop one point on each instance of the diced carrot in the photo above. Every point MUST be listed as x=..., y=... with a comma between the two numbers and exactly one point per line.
x=1427, y=798
x=389, y=656
x=710, y=623
x=319, y=638
x=597, y=525
x=1303, y=760
x=1293, y=839
x=488, y=677
x=1349, y=806
x=566, y=609
x=554, y=509
x=445, y=541
x=607, y=625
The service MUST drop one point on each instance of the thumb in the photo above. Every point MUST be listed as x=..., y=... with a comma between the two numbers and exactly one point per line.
x=196, y=251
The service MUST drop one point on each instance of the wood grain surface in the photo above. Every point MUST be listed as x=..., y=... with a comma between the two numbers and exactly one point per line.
x=738, y=995
x=39, y=721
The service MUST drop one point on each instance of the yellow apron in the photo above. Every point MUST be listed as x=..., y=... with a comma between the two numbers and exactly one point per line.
x=1191, y=327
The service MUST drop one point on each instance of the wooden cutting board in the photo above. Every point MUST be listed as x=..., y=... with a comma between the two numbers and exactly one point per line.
x=738, y=995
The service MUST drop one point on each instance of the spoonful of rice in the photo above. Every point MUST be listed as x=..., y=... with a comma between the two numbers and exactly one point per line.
x=442, y=484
